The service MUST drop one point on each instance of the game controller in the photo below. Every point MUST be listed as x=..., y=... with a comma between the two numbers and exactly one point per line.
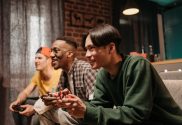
x=49, y=94
x=18, y=108
x=59, y=94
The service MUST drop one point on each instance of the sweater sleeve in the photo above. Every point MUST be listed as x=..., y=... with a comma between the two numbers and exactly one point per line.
x=138, y=98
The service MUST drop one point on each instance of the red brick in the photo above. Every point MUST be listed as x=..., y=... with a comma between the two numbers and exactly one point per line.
x=95, y=8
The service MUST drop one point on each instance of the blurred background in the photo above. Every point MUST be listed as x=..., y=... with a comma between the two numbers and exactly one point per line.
x=25, y=25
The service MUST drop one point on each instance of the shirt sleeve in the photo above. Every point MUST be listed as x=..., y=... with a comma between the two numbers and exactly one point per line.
x=138, y=98
x=89, y=81
x=34, y=79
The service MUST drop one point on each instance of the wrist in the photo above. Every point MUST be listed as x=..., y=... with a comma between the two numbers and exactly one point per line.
x=18, y=100
x=33, y=112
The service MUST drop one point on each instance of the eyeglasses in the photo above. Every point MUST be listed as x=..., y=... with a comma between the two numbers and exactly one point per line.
x=57, y=50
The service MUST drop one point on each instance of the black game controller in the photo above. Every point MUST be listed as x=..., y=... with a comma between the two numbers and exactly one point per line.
x=18, y=108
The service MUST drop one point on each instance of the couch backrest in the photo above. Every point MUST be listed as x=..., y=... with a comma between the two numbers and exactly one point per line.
x=175, y=89
x=171, y=74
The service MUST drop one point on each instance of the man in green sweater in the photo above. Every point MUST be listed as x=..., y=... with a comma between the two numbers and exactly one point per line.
x=128, y=89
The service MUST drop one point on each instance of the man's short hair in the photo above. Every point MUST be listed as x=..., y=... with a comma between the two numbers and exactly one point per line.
x=69, y=41
x=104, y=34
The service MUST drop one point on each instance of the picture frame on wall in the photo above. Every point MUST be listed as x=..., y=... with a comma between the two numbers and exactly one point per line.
x=76, y=19
x=85, y=20
x=89, y=21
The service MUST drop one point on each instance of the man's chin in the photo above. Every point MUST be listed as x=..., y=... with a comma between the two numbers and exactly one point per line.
x=38, y=69
x=94, y=67
x=55, y=67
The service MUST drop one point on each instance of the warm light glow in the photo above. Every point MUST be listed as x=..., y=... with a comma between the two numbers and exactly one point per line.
x=165, y=70
x=130, y=11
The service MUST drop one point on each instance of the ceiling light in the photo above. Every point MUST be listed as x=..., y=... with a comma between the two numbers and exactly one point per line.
x=130, y=8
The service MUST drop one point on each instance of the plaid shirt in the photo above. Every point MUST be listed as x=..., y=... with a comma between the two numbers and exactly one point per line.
x=81, y=79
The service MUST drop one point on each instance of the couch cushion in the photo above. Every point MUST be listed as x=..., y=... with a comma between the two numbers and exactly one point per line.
x=175, y=89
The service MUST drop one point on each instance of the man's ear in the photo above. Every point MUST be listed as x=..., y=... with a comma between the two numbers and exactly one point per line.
x=70, y=54
x=112, y=47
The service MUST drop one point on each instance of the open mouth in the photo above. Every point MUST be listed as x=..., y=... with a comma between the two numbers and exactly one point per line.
x=54, y=62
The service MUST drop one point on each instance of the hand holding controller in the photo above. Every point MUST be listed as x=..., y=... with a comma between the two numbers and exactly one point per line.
x=60, y=94
x=50, y=98
x=64, y=93
x=18, y=108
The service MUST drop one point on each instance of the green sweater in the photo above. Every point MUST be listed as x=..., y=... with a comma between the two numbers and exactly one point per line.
x=136, y=95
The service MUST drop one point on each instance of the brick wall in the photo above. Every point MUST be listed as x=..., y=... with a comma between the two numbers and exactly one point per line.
x=81, y=15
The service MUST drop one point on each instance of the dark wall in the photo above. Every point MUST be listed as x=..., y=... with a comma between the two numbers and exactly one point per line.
x=137, y=30
x=4, y=61
x=173, y=32
x=2, y=100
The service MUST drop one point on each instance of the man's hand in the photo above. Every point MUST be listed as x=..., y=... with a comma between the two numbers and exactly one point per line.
x=50, y=99
x=74, y=105
x=12, y=104
x=62, y=94
x=28, y=110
